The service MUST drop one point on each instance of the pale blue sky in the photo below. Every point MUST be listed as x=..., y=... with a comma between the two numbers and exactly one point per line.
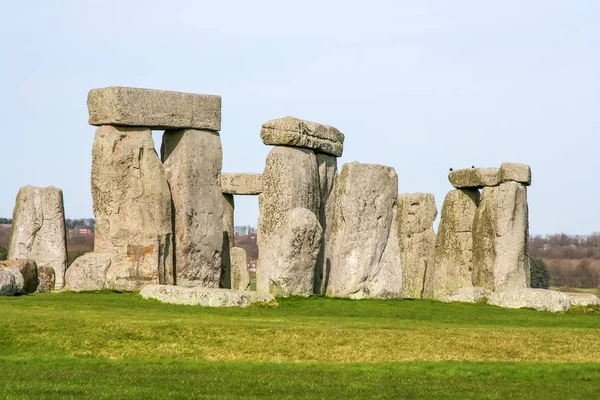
x=420, y=86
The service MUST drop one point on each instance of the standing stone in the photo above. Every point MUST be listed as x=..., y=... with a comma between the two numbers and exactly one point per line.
x=132, y=205
x=242, y=184
x=228, y=241
x=416, y=214
x=365, y=259
x=484, y=239
x=38, y=230
x=193, y=161
x=454, y=244
x=240, y=277
x=511, y=267
x=26, y=272
x=327, y=166
x=87, y=273
x=290, y=180
x=46, y=276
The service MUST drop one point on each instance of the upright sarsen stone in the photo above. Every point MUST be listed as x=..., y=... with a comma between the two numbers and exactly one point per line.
x=484, y=239
x=192, y=161
x=240, y=277
x=327, y=166
x=290, y=180
x=416, y=214
x=365, y=255
x=228, y=241
x=132, y=205
x=454, y=244
x=38, y=230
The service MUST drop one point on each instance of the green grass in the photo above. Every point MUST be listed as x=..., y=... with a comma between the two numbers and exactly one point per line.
x=107, y=345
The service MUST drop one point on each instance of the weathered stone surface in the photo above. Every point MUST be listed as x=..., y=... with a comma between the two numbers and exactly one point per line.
x=87, y=273
x=327, y=166
x=454, y=243
x=290, y=180
x=132, y=205
x=241, y=184
x=26, y=273
x=8, y=283
x=228, y=240
x=484, y=239
x=293, y=254
x=365, y=259
x=468, y=295
x=290, y=131
x=205, y=297
x=473, y=178
x=583, y=299
x=515, y=172
x=38, y=229
x=192, y=161
x=416, y=213
x=240, y=277
x=539, y=299
x=46, y=277
x=155, y=109
x=511, y=266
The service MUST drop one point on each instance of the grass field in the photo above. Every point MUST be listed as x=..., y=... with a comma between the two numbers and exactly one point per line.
x=108, y=345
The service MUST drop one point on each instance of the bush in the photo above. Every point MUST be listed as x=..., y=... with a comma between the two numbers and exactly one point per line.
x=540, y=278
x=3, y=253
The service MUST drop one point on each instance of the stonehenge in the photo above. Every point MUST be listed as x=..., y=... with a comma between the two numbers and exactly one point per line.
x=165, y=223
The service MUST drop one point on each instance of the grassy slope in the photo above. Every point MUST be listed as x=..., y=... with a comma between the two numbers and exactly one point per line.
x=117, y=345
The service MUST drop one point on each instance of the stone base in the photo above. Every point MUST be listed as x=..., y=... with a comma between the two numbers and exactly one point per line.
x=468, y=295
x=205, y=297
x=538, y=299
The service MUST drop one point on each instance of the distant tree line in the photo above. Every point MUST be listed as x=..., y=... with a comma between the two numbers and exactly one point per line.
x=244, y=229
x=5, y=220
x=83, y=222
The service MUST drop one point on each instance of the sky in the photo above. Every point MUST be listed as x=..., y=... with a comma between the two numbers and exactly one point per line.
x=420, y=86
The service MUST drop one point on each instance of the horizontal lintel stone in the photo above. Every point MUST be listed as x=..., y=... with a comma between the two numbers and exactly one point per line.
x=290, y=131
x=515, y=172
x=474, y=178
x=241, y=183
x=155, y=109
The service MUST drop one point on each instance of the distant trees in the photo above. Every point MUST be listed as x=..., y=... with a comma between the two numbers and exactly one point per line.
x=5, y=220
x=540, y=278
x=244, y=229
x=84, y=222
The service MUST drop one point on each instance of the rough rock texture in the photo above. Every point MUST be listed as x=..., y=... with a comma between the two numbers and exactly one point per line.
x=88, y=272
x=484, y=239
x=365, y=254
x=155, y=109
x=515, y=172
x=511, y=266
x=327, y=166
x=9, y=285
x=46, y=277
x=290, y=180
x=539, y=299
x=473, y=178
x=468, y=295
x=583, y=299
x=192, y=161
x=132, y=205
x=241, y=184
x=290, y=131
x=454, y=243
x=416, y=213
x=240, y=277
x=205, y=297
x=293, y=255
x=228, y=240
x=26, y=273
x=38, y=229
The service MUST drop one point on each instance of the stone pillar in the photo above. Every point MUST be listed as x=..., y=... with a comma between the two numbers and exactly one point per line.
x=290, y=181
x=454, y=244
x=484, y=239
x=365, y=254
x=193, y=160
x=228, y=241
x=416, y=214
x=38, y=231
x=240, y=277
x=327, y=166
x=132, y=206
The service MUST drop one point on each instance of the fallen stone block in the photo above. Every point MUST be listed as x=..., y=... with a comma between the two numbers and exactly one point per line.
x=47, y=278
x=205, y=297
x=468, y=295
x=515, y=172
x=154, y=109
x=241, y=184
x=9, y=284
x=290, y=131
x=584, y=299
x=87, y=273
x=473, y=178
x=26, y=274
x=538, y=299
